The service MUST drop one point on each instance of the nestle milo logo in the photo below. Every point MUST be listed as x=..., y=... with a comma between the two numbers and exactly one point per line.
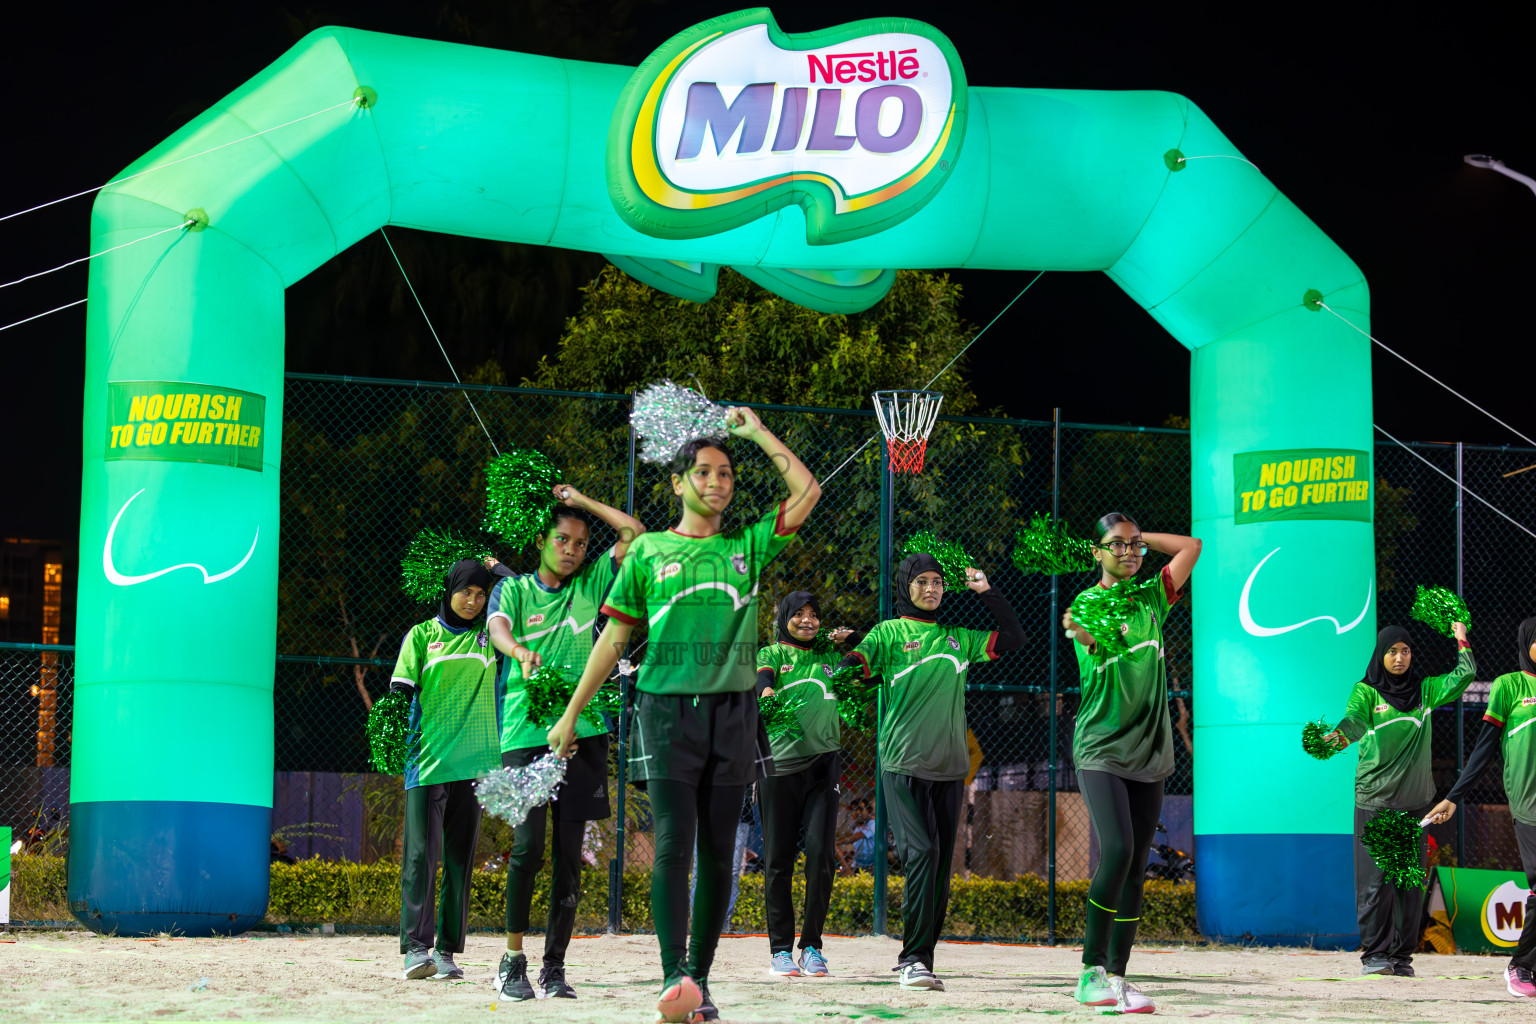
x=727, y=122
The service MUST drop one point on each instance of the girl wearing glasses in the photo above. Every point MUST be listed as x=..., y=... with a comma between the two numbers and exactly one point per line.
x=923, y=754
x=1123, y=747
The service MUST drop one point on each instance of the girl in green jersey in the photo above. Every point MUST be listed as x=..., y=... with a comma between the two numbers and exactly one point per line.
x=1123, y=749
x=448, y=667
x=697, y=739
x=800, y=798
x=1389, y=714
x=1507, y=730
x=924, y=757
x=546, y=617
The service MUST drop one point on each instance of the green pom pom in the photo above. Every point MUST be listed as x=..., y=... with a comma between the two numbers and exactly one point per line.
x=821, y=643
x=519, y=495
x=1312, y=740
x=548, y=692
x=952, y=559
x=1045, y=547
x=1392, y=839
x=779, y=718
x=428, y=559
x=1102, y=611
x=855, y=700
x=388, y=723
x=1439, y=607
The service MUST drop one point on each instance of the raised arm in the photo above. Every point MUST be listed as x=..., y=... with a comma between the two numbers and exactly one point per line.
x=600, y=664
x=1184, y=550
x=804, y=491
x=624, y=524
x=1440, y=690
x=1010, y=634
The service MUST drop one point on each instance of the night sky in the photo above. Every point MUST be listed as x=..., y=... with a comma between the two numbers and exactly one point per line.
x=1360, y=118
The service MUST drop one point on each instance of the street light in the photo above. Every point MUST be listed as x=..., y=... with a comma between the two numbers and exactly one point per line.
x=1489, y=163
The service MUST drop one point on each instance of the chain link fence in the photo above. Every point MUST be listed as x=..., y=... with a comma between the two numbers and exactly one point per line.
x=367, y=463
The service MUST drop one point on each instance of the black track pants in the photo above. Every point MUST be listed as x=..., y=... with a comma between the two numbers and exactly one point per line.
x=1525, y=950
x=805, y=800
x=924, y=816
x=442, y=820
x=683, y=811
x=1124, y=816
x=1390, y=917
x=564, y=881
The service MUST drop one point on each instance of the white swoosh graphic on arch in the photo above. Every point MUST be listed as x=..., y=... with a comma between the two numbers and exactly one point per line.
x=1246, y=617
x=125, y=580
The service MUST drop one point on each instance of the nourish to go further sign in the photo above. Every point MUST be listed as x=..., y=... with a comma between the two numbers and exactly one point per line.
x=173, y=421
x=1302, y=483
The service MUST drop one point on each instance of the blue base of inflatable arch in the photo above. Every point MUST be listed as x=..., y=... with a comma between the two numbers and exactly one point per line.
x=151, y=866
x=1277, y=890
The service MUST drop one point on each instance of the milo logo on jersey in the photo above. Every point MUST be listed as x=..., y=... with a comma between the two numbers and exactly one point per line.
x=728, y=121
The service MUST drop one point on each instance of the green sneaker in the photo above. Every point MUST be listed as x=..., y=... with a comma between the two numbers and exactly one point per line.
x=1093, y=988
x=419, y=963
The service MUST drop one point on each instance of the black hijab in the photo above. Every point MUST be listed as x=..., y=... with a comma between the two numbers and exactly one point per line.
x=466, y=572
x=788, y=605
x=1527, y=635
x=1402, y=692
x=910, y=568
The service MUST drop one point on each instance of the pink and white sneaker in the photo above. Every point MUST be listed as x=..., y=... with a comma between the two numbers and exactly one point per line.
x=1128, y=998
x=1518, y=981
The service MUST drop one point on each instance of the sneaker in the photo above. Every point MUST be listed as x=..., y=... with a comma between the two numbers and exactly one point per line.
x=447, y=970
x=1403, y=968
x=512, y=978
x=783, y=965
x=707, y=1009
x=917, y=975
x=1093, y=988
x=552, y=981
x=1518, y=981
x=1376, y=967
x=812, y=963
x=1128, y=998
x=680, y=996
x=418, y=963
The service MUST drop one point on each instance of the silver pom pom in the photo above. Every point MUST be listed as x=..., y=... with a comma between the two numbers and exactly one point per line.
x=668, y=416
x=510, y=793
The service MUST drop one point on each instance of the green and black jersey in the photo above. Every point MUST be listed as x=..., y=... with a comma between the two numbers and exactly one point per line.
x=924, y=665
x=699, y=595
x=558, y=624
x=802, y=679
x=452, y=733
x=1512, y=706
x=1394, y=769
x=1123, y=725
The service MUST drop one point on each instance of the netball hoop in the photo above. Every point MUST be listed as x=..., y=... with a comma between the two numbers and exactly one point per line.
x=906, y=419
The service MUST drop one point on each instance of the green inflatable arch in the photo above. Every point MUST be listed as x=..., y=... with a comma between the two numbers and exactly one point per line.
x=172, y=774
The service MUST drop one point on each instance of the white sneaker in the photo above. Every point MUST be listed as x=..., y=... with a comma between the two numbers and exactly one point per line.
x=1093, y=988
x=1128, y=998
x=916, y=975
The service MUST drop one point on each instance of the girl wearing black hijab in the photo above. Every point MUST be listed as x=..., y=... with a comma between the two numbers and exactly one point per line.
x=1511, y=711
x=801, y=793
x=448, y=667
x=1389, y=714
x=923, y=755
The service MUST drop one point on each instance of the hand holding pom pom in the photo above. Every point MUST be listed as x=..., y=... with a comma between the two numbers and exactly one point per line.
x=510, y=793
x=1392, y=838
x=952, y=559
x=668, y=416
x=1316, y=739
x=778, y=717
x=519, y=492
x=1104, y=611
x=1441, y=609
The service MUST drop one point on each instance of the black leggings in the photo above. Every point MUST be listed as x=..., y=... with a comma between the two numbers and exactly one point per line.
x=682, y=811
x=564, y=881
x=1124, y=816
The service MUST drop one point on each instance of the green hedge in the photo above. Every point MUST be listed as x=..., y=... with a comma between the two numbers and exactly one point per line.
x=340, y=892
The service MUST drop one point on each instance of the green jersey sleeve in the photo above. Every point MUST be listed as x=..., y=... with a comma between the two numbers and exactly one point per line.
x=979, y=644
x=1357, y=713
x=597, y=576
x=408, y=664
x=767, y=662
x=1498, y=704
x=626, y=595
x=1440, y=690
x=771, y=533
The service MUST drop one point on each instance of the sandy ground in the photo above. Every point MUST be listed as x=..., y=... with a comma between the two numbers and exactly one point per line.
x=77, y=976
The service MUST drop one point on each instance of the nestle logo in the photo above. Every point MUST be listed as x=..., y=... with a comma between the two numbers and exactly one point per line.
x=869, y=66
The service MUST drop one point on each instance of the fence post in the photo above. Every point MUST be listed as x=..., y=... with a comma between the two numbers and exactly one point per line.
x=887, y=610
x=1052, y=631
x=616, y=865
x=1461, y=704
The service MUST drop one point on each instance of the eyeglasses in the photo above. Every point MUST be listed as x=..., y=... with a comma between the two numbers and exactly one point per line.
x=928, y=584
x=1120, y=547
